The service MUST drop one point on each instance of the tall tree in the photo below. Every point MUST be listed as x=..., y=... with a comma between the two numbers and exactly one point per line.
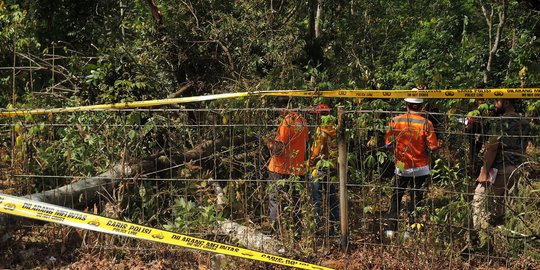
x=495, y=15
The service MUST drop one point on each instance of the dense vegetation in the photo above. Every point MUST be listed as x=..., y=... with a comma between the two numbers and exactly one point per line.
x=130, y=50
x=70, y=53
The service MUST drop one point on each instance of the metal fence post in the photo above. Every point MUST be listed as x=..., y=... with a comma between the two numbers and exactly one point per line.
x=342, y=170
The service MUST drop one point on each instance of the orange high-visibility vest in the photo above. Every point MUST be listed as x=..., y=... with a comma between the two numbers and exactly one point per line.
x=293, y=133
x=413, y=135
x=324, y=145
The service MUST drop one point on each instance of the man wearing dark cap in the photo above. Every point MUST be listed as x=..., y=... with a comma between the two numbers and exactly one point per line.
x=287, y=161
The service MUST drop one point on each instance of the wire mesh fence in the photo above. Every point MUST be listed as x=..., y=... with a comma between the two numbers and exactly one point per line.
x=444, y=219
x=188, y=169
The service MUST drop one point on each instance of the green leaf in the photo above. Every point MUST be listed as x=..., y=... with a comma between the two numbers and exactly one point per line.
x=142, y=191
x=401, y=166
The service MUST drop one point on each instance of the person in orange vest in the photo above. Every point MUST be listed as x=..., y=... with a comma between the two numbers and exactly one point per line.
x=287, y=161
x=322, y=164
x=412, y=137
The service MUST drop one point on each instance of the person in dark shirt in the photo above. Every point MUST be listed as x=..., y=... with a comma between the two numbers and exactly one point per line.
x=476, y=128
x=504, y=151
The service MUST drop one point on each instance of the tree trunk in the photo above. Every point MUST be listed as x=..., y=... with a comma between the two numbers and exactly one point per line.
x=86, y=190
x=493, y=44
x=156, y=14
x=314, y=47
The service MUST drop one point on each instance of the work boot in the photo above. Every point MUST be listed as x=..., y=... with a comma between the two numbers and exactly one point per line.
x=389, y=234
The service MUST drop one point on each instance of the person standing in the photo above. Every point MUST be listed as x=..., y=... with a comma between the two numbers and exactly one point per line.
x=287, y=161
x=476, y=128
x=322, y=164
x=412, y=137
x=504, y=151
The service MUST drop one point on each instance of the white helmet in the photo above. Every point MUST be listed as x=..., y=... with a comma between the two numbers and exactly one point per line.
x=414, y=100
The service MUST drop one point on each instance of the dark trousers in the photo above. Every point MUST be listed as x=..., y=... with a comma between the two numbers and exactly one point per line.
x=416, y=193
x=274, y=204
x=332, y=202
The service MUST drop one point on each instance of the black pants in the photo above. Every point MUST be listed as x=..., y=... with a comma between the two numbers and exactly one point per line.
x=275, y=204
x=416, y=193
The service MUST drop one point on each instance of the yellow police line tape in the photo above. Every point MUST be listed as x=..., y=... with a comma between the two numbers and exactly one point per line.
x=428, y=94
x=118, y=106
x=53, y=213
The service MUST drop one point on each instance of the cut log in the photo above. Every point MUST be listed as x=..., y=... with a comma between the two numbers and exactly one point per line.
x=251, y=238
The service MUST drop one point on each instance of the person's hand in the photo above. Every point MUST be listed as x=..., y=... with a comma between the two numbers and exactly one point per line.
x=437, y=148
x=267, y=141
x=483, y=177
x=275, y=147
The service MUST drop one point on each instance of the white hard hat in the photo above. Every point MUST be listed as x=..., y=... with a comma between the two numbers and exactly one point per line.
x=414, y=100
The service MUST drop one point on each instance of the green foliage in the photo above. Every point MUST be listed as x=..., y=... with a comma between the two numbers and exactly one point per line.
x=420, y=60
x=521, y=224
x=328, y=119
x=446, y=175
x=107, y=52
x=224, y=47
x=187, y=216
x=16, y=34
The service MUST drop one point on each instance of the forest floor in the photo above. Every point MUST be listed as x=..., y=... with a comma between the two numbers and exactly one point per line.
x=52, y=246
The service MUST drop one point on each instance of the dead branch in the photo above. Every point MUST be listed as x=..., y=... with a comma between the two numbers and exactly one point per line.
x=245, y=236
x=181, y=90
x=251, y=238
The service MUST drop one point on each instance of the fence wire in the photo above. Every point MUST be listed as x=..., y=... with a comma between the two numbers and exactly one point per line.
x=187, y=169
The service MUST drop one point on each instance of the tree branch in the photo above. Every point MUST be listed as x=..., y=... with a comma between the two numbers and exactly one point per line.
x=156, y=14
x=493, y=44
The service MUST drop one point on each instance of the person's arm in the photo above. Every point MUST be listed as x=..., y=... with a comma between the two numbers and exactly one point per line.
x=432, y=142
x=277, y=145
x=316, y=147
x=490, y=153
x=389, y=137
x=274, y=146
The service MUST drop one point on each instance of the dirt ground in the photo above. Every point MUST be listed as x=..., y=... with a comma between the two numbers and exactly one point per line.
x=52, y=246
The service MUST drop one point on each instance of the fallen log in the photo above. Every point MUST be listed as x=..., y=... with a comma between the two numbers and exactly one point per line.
x=77, y=194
